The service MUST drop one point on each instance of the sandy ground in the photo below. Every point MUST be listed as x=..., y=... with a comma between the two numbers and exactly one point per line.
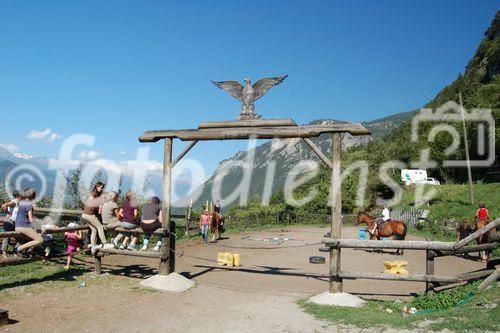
x=259, y=296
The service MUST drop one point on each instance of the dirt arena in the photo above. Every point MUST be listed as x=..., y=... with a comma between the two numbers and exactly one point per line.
x=259, y=296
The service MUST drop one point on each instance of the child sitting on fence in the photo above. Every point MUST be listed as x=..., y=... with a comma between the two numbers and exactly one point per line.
x=72, y=238
x=151, y=221
x=24, y=222
x=128, y=214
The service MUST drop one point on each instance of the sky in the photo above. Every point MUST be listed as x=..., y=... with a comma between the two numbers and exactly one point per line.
x=114, y=69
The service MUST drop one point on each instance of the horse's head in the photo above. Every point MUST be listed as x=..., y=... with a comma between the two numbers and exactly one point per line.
x=359, y=219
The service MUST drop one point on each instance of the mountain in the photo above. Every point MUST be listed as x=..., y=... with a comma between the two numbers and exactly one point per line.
x=480, y=87
x=283, y=155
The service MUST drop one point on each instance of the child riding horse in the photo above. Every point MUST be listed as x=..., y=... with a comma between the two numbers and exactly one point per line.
x=388, y=228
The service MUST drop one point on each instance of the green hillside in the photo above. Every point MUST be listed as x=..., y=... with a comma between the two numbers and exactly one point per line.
x=480, y=87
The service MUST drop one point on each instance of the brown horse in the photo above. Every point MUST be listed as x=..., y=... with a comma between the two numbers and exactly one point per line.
x=391, y=228
x=216, y=225
x=483, y=239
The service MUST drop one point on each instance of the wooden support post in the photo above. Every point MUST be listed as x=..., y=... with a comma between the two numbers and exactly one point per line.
x=97, y=263
x=336, y=203
x=429, y=269
x=166, y=266
x=171, y=254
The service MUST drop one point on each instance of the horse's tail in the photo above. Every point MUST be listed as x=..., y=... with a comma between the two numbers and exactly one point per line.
x=403, y=235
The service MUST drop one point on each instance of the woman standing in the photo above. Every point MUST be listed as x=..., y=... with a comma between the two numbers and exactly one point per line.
x=90, y=217
x=205, y=222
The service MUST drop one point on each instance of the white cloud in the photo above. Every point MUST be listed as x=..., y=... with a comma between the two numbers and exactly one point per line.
x=47, y=134
x=11, y=148
x=123, y=152
x=89, y=154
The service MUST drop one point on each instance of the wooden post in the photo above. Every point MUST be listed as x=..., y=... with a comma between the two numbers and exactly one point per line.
x=97, y=263
x=336, y=203
x=171, y=255
x=429, y=269
x=466, y=146
x=167, y=264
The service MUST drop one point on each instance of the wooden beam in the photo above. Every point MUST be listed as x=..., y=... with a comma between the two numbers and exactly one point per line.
x=398, y=277
x=336, y=206
x=305, y=131
x=64, y=212
x=318, y=152
x=48, y=231
x=467, y=249
x=476, y=234
x=248, y=123
x=144, y=254
x=475, y=275
x=389, y=244
x=429, y=269
x=489, y=280
x=184, y=152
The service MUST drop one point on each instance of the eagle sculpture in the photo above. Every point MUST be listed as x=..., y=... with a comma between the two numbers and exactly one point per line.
x=249, y=94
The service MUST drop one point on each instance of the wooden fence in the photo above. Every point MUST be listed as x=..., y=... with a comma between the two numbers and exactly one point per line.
x=433, y=250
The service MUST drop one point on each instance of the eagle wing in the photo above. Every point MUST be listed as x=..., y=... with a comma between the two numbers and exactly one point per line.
x=263, y=85
x=233, y=88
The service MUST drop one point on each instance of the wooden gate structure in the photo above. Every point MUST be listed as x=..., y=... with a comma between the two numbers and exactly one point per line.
x=255, y=129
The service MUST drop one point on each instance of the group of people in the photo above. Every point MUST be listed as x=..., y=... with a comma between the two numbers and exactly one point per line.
x=101, y=210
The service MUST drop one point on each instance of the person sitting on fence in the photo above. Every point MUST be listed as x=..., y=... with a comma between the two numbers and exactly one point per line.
x=128, y=214
x=24, y=222
x=72, y=238
x=151, y=221
x=90, y=216
x=386, y=216
x=110, y=215
x=205, y=222
x=11, y=208
x=463, y=230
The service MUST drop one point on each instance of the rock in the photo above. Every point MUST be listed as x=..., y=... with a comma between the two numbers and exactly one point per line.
x=338, y=299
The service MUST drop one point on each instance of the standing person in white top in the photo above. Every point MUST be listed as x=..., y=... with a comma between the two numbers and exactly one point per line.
x=386, y=214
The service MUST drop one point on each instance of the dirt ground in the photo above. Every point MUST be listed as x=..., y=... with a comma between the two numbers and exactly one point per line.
x=259, y=296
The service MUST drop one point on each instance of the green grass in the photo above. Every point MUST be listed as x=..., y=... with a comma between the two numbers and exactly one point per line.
x=480, y=313
x=450, y=203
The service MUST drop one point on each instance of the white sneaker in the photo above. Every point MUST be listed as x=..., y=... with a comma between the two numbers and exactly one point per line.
x=144, y=248
x=131, y=247
x=156, y=249
x=94, y=248
x=108, y=246
x=122, y=247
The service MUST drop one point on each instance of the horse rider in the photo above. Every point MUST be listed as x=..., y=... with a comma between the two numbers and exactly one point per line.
x=386, y=216
x=481, y=214
x=217, y=209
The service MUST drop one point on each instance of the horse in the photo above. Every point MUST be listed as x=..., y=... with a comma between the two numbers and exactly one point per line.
x=216, y=225
x=483, y=239
x=391, y=228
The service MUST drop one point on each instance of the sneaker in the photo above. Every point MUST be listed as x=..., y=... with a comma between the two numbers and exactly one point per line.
x=47, y=251
x=94, y=248
x=144, y=248
x=115, y=243
x=122, y=247
x=108, y=246
x=131, y=247
x=156, y=248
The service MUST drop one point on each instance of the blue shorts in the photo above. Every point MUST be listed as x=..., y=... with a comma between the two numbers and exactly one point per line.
x=128, y=225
